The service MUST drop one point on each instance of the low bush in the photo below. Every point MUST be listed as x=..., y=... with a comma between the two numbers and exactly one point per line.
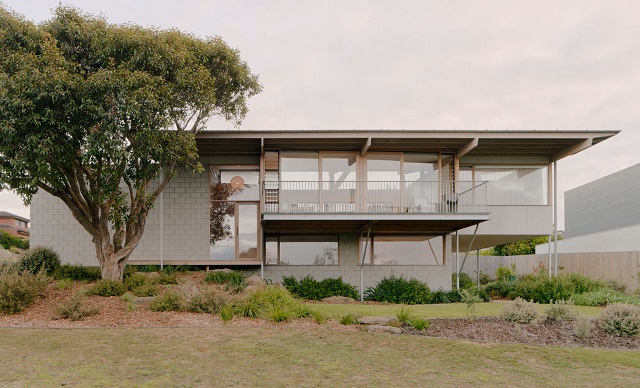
x=226, y=313
x=19, y=290
x=404, y=314
x=418, y=323
x=63, y=284
x=136, y=280
x=348, y=318
x=465, y=281
x=74, y=308
x=168, y=301
x=499, y=288
x=310, y=288
x=603, y=297
x=208, y=301
x=39, y=259
x=8, y=241
x=221, y=277
x=542, y=288
x=319, y=317
x=271, y=302
x=561, y=310
x=167, y=278
x=78, y=273
x=470, y=299
x=107, y=288
x=519, y=311
x=399, y=290
x=621, y=319
x=582, y=328
x=145, y=290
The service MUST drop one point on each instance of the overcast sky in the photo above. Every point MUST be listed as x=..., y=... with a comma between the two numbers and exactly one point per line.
x=421, y=64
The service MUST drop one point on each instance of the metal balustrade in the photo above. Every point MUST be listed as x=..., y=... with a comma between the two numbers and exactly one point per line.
x=375, y=197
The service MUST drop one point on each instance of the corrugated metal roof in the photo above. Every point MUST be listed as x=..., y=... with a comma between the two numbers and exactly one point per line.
x=387, y=130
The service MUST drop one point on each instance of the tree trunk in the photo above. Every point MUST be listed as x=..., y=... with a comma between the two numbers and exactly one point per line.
x=111, y=265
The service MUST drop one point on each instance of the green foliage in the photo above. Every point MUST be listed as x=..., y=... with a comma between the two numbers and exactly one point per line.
x=470, y=299
x=107, y=288
x=208, y=301
x=280, y=314
x=167, y=278
x=309, y=288
x=226, y=313
x=8, y=241
x=271, y=302
x=348, y=318
x=524, y=247
x=39, y=259
x=221, y=277
x=399, y=290
x=418, y=323
x=603, y=297
x=168, y=301
x=78, y=273
x=484, y=278
x=506, y=274
x=465, y=281
x=440, y=297
x=542, y=288
x=145, y=290
x=621, y=319
x=63, y=284
x=74, y=308
x=403, y=314
x=519, y=311
x=19, y=290
x=85, y=106
x=561, y=310
x=319, y=317
x=499, y=288
x=136, y=280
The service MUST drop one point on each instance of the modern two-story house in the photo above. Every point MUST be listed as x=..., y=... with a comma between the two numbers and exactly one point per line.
x=360, y=204
x=14, y=224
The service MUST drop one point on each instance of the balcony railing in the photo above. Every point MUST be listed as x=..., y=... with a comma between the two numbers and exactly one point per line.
x=375, y=197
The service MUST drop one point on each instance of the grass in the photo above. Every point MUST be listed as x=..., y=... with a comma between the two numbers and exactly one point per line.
x=451, y=310
x=279, y=356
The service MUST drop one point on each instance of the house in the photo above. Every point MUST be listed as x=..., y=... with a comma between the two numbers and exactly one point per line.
x=14, y=224
x=603, y=215
x=360, y=204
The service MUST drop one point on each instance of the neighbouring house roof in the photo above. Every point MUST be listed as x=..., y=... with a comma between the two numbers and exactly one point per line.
x=4, y=214
x=553, y=145
x=9, y=228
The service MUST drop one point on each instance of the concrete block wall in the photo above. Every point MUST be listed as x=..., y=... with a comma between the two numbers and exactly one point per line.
x=436, y=276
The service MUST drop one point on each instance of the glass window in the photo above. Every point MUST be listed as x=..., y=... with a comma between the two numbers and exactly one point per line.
x=339, y=182
x=299, y=166
x=222, y=230
x=420, y=167
x=404, y=250
x=271, y=250
x=303, y=250
x=236, y=185
x=514, y=185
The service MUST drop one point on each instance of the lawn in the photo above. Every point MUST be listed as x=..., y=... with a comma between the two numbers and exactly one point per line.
x=450, y=310
x=282, y=356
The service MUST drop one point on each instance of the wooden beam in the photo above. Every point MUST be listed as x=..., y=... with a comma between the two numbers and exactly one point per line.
x=583, y=145
x=467, y=147
x=365, y=147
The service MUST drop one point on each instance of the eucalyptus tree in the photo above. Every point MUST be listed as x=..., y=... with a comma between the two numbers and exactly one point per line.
x=93, y=112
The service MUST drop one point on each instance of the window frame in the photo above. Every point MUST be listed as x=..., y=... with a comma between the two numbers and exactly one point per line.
x=371, y=249
x=279, y=249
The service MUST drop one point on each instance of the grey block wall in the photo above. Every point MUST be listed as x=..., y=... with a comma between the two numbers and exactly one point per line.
x=436, y=276
x=607, y=203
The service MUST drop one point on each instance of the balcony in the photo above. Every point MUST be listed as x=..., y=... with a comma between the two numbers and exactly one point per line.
x=375, y=197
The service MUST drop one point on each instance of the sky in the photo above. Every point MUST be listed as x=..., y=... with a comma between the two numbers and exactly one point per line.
x=421, y=65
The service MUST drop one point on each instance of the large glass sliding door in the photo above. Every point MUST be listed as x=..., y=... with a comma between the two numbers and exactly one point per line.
x=234, y=214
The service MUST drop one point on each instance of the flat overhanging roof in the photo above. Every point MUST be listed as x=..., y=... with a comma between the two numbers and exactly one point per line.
x=552, y=144
x=380, y=223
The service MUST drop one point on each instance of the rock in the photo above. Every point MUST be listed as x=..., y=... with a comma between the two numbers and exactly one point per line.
x=380, y=321
x=339, y=300
x=255, y=280
x=384, y=329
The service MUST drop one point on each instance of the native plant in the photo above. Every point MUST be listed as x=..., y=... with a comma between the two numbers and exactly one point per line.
x=93, y=113
x=470, y=299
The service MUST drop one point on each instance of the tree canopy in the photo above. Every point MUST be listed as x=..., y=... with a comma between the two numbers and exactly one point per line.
x=92, y=112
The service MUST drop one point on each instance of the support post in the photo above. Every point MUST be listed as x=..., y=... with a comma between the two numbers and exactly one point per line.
x=161, y=222
x=549, y=253
x=478, y=268
x=364, y=255
x=555, y=217
x=457, y=264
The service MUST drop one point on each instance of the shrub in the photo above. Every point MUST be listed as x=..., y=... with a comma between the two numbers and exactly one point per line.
x=136, y=280
x=145, y=290
x=221, y=277
x=582, y=328
x=74, y=309
x=470, y=299
x=167, y=278
x=621, y=319
x=561, y=310
x=519, y=311
x=301, y=310
x=319, y=317
x=8, y=241
x=506, y=274
x=107, y=288
x=78, y=273
x=226, y=313
x=268, y=302
x=543, y=288
x=348, y=318
x=418, y=323
x=280, y=314
x=39, y=259
x=208, y=301
x=404, y=314
x=499, y=288
x=168, y=301
x=465, y=281
x=603, y=297
x=63, y=284
x=309, y=288
x=484, y=278
x=399, y=290
x=19, y=290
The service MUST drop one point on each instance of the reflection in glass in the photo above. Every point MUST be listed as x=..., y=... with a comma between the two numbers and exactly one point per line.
x=222, y=233
x=308, y=250
x=514, y=185
x=404, y=250
x=239, y=185
x=271, y=250
x=247, y=231
x=339, y=182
